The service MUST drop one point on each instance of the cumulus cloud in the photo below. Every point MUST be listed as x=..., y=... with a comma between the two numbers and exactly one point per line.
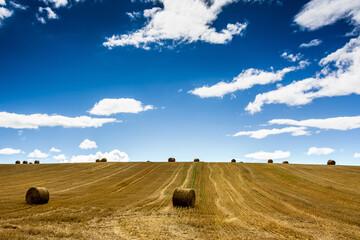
x=57, y=3
x=55, y=150
x=59, y=157
x=5, y=13
x=268, y=155
x=336, y=123
x=245, y=80
x=113, y=156
x=88, y=144
x=312, y=43
x=34, y=121
x=2, y=2
x=291, y=57
x=37, y=154
x=319, y=151
x=183, y=21
x=342, y=81
x=10, y=151
x=318, y=13
x=108, y=106
x=262, y=133
x=356, y=155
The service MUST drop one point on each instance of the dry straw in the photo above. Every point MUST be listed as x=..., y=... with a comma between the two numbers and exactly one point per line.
x=285, y=162
x=331, y=162
x=270, y=161
x=17, y=162
x=171, y=159
x=103, y=160
x=183, y=197
x=37, y=195
x=196, y=160
x=37, y=162
x=25, y=162
x=233, y=160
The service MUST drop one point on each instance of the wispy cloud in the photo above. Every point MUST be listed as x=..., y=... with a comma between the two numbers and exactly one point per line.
x=312, y=43
x=113, y=156
x=55, y=150
x=34, y=121
x=291, y=57
x=268, y=155
x=319, y=151
x=262, y=133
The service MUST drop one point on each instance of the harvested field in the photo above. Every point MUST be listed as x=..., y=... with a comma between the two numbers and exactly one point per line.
x=134, y=201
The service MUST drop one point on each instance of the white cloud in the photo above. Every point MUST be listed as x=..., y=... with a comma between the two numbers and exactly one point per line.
x=57, y=3
x=356, y=155
x=34, y=121
x=18, y=5
x=336, y=123
x=88, y=144
x=268, y=155
x=55, y=150
x=318, y=13
x=37, y=154
x=245, y=80
x=183, y=21
x=262, y=133
x=5, y=13
x=133, y=15
x=319, y=151
x=342, y=81
x=50, y=13
x=108, y=106
x=312, y=43
x=9, y=151
x=59, y=157
x=113, y=156
x=291, y=57
x=2, y=2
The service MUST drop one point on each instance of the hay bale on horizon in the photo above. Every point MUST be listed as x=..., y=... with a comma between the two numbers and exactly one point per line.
x=331, y=162
x=233, y=160
x=270, y=161
x=25, y=162
x=37, y=195
x=285, y=162
x=97, y=160
x=171, y=159
x=183, y=197
x=37, y=162
x=196, y=160
x=103, y=160
x=17, y=162
x=30, y=162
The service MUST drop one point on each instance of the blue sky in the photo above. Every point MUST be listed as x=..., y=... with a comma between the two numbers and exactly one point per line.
x=147, y=80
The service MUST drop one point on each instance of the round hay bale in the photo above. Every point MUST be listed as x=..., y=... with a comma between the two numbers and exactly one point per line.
x=285, y=162
x=331, y=162
x=184, y=197
x=196, y=160
x=25, y=162
x=241, y=162
x=148, y=161
x=17, y=162
x=103, y=160
x=37, y=162
x=97, y=160
x=270, y=161
x=171, y=159
x=30, y=162
x=37, y=195
x=233, y=160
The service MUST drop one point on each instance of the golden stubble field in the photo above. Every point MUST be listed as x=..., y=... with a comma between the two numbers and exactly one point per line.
x=133, y=201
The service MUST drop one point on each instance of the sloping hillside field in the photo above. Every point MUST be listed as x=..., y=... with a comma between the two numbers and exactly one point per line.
x=133, y=201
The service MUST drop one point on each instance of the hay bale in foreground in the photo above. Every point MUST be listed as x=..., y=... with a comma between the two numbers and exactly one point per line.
x=37, y=162
x=196, y=160
x=103, y=160
x=183, y=197
x=17, y=162
x=37, y=195
x=285, y=162
x=97, y=160
x=270, y=161
x=233, y=160
x=331, y=162
x=25, y=162
x=171, y=159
